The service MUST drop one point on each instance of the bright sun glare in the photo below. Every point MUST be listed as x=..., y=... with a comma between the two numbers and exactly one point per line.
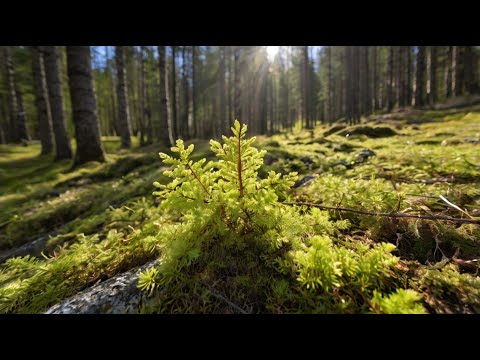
x=272, y=51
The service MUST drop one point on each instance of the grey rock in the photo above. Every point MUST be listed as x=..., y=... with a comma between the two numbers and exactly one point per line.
x=33, y=248
x=118, y=295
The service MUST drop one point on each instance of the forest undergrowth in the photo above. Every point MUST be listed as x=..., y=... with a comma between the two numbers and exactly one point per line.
x=227, y=237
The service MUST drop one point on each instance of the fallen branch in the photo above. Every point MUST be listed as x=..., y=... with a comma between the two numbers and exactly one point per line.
x=224, y=299
x=392, y=215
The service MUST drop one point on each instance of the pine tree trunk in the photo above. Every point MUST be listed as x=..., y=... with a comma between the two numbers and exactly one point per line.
x=55, y=92
x=21, y=116
x=420, y=77
x=186, y=97
x=164, y=134
x=448, y=71
x=143, y=94
x=390, y=93
x=459, y=70
x=237, y=88
x=330, y=86
x=376, y=105
x=409, y=89
x=41, y=100
x=194, y=92
x=123, y=125
x=174, y=123
x=222, y=125
x=18, y=128
x=84, y=105
x=433, y=76
x=469, y=66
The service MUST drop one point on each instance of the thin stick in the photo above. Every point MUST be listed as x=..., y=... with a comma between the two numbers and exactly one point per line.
x=392, y=215
x=220, y=297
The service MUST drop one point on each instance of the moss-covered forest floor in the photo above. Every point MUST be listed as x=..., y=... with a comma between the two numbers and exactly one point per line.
x=63, y=230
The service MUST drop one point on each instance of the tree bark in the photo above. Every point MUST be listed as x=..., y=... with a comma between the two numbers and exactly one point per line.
x=165, y=134
x=84, y=105
x=221, y=120
x=459, y=70
x=237, y=88
x=41, y=102
x=18, y=127
x=174, y=123
x=124, y=126
x=54, y=85
x=194, y=92
x=376, y=104
x=420, y=77
x=390, y=93
x=448, y=72
x=186, y=97
x=432, y=96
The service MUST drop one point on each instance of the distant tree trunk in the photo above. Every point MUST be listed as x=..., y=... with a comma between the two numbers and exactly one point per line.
x=229, y=87
x=222, y=123
x=410, y=75
x=432, y=83
x=459, y=70
x=470, y=67
x=41, y=100
x=402, y=75
x=448, y=72
x=84, y=105
x=420, y=77
x=194, y=92
x=123, y=126
x=305, y=88
x=143, y=103
x=18, y=127
x=174, y=123
x=55, y=92
x=390, y=71
x=376, y=105
x=165, y=134
x=186, y=97
x=237, y=88
x=330, y=86
x=367, y=81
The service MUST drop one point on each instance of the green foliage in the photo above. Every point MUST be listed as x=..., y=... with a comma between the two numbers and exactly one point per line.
x=449, y=291
x=234, y=226
x=401, y=302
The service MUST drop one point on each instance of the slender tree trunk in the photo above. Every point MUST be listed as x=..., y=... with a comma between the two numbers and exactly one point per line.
x=420, y=77
x=448, y=71
x=186, y=97
x=376, y=105
x=18, y=127
x=222, y=120
x=390, y=96
x=330, y=86
x=41, y=102
x=432, y=96
x=55, y=92
x=459, y=78
x=409, y=89
x=237, y=88
x=194, y=92
x=174, y=123
x=143, y=94
x=84, y=105
x=470, y=69
x=165, y=134
x=124, y=126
